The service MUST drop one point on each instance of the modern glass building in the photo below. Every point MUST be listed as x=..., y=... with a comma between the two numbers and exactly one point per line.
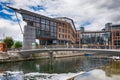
x=62, y=31
x=49, y=31
x=98, y=39
x=109, y=37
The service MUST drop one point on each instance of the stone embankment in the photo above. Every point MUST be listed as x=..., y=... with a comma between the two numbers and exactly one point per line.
x=16, y=56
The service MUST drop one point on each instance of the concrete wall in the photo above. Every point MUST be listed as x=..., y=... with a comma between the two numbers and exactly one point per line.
x=57, y=54
x=29, y=37
x=15, y=56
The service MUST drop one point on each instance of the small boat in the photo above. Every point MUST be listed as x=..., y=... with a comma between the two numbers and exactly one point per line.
x=88, y=54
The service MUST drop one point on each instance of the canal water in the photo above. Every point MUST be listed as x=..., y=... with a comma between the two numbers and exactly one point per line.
x=92, y=68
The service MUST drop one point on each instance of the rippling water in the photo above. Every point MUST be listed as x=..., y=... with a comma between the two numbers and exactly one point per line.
x=63, y=68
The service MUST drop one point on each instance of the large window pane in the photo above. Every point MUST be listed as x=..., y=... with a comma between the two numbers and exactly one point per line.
x=42, y=33
x=47, y=27
x=37, y=24
x=42, y=26
x=43, y=21
x=31, y=18
x=37, y=19
x=25, y=16
x=55, y=34
x=47, y=34
x=51, y=23
x=55, y=24
x=30, y=23
x=52, y=34
x=54, y=29
x=51, y=28
x=47, y=22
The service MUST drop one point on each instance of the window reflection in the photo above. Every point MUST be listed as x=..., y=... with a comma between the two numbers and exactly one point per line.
x=95, y=38
x=47, y=27
x=44, y=27
x=43, y=21
x=47, y=22
x=51, y=23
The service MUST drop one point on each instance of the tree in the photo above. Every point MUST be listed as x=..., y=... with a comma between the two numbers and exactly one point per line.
x=18, y=44
x=36, y=45
x=9, y=42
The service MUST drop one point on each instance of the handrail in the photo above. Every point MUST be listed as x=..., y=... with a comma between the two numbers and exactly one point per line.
x=79, y=46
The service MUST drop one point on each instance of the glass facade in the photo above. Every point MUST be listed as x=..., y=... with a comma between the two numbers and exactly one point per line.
x=95, y=38
x=44, y=28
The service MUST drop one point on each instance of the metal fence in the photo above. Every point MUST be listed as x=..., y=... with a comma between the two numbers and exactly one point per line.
x=80, y=46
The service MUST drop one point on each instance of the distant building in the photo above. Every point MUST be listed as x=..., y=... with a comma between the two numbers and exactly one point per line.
x=96, y=38
x=62, y=31
x=109, y=37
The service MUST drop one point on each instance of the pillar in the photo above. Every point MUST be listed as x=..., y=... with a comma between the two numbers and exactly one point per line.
x=28, y=37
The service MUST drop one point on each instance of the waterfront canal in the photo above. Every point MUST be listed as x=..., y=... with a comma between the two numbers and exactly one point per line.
x=94, y=68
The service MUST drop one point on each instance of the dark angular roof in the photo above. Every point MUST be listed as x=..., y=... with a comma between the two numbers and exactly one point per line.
x=116, y=25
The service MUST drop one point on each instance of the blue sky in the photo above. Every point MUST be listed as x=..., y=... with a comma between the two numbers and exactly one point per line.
x=91, y=14
x=7, y=13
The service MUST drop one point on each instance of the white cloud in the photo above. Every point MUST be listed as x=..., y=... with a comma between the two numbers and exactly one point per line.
x=97, y=12
x=85, y=10
x=7, y=12
x=11, y=29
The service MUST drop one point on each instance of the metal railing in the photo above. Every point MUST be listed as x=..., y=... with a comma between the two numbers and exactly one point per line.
x=80, y=46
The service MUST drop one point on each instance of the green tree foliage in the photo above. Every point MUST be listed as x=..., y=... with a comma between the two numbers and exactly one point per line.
x=9, y=41
x=36, y=45
x=18, y=44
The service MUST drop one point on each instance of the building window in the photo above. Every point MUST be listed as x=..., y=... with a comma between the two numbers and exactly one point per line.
x=59, y=35
x=55, y=24
x=37, y=24
x=51, y=28
x=62, y=36
x=55, y=35
x=43, y=21
x=63, y=25
x=37, y=19
x=54, y=29
x=69, y=36
x=47, y=22
x=117, y=42
x=65, y=36
x=63, y=30
x=43, y=27
x=117, y=34
x=59, y=29
x=47, y=28
x=52, y=34
x=51, y=23
x=30, y=23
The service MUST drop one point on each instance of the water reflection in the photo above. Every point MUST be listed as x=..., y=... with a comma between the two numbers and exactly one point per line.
x=96, y=68
x=61, y=65
x=97, y=74
x=108, y=72
x=113, y=68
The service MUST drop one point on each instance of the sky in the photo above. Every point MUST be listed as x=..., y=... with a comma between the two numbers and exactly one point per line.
x=91, y=14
